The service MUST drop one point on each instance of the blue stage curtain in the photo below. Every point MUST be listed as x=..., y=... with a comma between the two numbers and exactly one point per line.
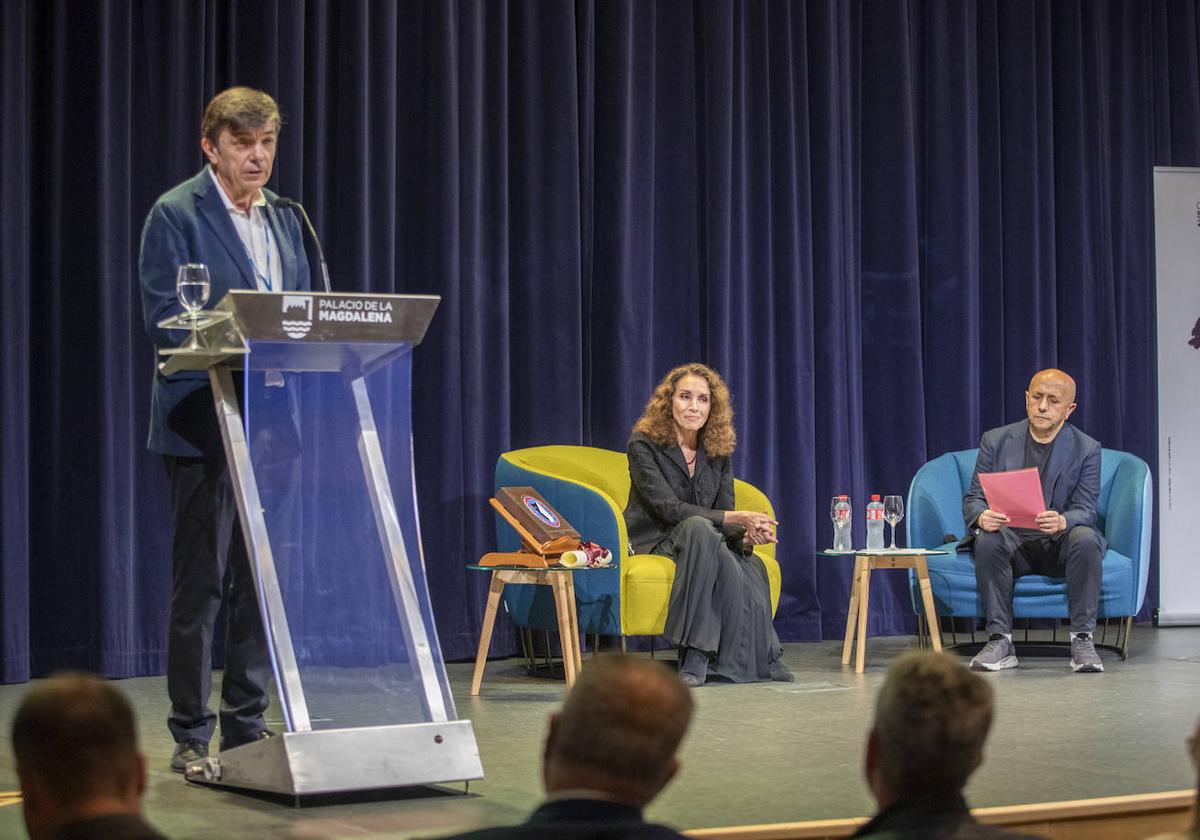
x=876, y=219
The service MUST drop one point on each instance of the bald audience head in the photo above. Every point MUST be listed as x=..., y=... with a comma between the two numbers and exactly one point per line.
x=618, y=730
x=75, y=744
x=932, y=717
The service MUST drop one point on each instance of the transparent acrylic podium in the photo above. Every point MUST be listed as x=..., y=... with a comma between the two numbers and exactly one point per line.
x=320, y=452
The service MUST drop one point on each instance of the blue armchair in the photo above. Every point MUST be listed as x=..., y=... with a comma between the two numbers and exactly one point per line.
x=1125, y=512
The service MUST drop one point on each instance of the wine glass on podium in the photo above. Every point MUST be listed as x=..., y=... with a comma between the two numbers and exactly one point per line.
x=192, y=286
x=893, y=512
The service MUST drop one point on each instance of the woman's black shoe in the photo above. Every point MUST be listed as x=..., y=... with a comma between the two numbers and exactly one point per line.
x=693, y=666
x=780, y=672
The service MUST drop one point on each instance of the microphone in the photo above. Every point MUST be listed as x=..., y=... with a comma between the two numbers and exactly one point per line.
x=291, y=204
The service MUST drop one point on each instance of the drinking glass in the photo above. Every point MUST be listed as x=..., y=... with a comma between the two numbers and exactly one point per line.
x=893, y=512
x=192, y=285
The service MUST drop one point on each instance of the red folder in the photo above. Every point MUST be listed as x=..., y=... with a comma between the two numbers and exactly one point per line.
x=1015, y=493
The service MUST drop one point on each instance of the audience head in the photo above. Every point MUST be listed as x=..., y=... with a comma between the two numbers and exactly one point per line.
x=75, y=745
x=658, y=423
x=618, y=730
x=931, y=719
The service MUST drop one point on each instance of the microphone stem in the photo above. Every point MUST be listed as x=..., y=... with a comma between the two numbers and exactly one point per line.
x=313, y=233
x=325, y=272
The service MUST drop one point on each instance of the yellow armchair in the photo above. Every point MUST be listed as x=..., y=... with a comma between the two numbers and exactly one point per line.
x=590, y=486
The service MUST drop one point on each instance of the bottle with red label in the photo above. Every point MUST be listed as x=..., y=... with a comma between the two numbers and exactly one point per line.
x=874, y=522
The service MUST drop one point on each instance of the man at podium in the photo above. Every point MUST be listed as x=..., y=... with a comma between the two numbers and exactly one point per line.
x=224, y=218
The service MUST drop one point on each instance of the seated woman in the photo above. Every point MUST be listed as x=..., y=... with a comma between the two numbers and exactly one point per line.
x=681, y=505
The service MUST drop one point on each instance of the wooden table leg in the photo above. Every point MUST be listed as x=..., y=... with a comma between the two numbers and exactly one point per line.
x=935, y=632
x=559, y=587
x=573, y=617
x=485, y=632
x=852, y=610
x=864, y=594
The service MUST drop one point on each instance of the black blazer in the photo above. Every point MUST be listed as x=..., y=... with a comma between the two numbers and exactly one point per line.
x=596, y=819
x=662, y=494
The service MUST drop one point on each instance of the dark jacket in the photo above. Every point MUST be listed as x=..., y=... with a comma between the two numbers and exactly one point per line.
x=940, y=819
x=191, y=224
x=1073, y=473
x=662, y=494
x=578, y=819
x=115, y=827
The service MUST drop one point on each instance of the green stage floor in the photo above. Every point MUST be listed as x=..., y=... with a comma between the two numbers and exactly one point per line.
x=756, y=753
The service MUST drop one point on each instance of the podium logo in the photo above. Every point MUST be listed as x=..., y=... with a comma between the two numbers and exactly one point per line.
x=296, y=305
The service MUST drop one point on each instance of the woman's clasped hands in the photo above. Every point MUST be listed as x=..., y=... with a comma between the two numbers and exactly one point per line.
x=760, y=527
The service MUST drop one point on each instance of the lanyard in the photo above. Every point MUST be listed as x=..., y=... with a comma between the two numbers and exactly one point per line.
x=258, y=275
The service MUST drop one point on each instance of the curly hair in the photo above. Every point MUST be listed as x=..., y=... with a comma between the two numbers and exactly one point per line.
x=716, y=436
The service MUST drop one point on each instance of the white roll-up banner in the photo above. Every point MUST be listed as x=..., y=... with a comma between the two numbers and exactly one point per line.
x=1177, y=257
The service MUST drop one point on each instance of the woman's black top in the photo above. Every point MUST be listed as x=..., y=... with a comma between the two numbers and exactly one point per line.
x=662, y=494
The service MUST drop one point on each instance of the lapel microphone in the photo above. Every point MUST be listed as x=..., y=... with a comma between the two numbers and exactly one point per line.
x=290, y=204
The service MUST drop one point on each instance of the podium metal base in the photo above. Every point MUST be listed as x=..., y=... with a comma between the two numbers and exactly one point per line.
x=342, y=760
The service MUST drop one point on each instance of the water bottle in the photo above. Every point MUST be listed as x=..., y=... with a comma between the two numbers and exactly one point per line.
x=842, y=540
x=874, y=522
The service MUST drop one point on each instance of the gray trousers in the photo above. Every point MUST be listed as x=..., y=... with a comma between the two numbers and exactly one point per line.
x=1004, y=555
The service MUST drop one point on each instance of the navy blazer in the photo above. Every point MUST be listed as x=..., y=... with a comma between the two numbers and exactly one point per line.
x=191, y=224
x=1073, y=474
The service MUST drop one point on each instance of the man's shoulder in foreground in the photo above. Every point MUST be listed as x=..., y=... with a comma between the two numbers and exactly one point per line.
x=950, y=820
x=115, y=827
x=579, y=818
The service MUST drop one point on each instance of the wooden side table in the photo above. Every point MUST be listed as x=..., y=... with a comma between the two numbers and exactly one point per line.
x=562, y=582
x=860, y=591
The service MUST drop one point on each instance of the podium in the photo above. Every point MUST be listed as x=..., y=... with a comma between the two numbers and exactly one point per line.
x=313, y=399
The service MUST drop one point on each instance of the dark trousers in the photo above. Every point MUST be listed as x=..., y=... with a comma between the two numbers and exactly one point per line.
x=209, y=565
x=1004, y=555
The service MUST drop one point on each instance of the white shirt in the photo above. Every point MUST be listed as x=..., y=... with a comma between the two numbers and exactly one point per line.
x=253, y=229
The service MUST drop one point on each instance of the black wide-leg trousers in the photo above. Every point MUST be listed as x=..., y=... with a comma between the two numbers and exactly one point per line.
x=720, y=602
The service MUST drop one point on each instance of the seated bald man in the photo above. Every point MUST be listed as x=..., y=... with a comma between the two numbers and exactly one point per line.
x=1066, y=542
